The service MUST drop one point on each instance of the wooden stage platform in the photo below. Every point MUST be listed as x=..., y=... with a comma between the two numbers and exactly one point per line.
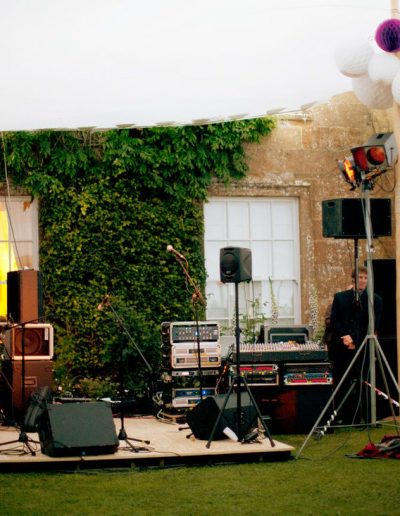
x=170, y=445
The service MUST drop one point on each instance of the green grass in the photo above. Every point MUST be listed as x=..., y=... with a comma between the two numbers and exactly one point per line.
x=324, y=480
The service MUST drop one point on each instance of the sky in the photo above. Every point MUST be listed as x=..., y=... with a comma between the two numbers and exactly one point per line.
x=105, y=63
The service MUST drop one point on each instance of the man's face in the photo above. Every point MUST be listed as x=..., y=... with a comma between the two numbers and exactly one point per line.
x=362, y=281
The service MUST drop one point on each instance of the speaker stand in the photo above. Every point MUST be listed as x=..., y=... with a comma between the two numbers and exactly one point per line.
x=238, y=380
x=370, y=342
x=23, y=437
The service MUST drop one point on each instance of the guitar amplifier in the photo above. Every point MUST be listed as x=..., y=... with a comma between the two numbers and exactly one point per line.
x=34, y=341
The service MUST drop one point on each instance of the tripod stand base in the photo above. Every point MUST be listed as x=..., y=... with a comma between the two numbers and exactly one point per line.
x=122, y=436
x=24, y=440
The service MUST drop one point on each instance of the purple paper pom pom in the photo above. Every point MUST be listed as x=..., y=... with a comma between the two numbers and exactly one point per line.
x=387, y=35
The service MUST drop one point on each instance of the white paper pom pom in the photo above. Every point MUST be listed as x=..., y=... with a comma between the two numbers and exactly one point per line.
x=375, y=95
x=396, y=88
x=352, y=57
x=383, y=67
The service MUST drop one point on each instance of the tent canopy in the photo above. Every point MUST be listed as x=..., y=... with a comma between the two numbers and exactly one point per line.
x=70, y=64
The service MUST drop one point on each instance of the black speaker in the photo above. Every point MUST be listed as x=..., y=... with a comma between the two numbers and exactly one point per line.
x=38, y=401
x=235, y=264
x=344, y=218
x=24, y=296
x=202, y=418
x=77, y=429
x=385, y=285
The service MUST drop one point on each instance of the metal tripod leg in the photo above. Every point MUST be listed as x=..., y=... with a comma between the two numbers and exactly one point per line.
x=253, y=401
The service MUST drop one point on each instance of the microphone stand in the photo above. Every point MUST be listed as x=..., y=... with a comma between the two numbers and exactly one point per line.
x=122, y=435
x=197, y=299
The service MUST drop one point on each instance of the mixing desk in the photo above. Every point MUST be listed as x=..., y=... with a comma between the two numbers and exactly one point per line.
x=282, y=352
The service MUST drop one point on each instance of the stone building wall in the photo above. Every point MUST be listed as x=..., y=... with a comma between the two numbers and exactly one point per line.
x=299, y=159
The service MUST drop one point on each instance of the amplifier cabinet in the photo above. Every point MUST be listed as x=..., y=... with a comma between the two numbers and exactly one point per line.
x=37, y=374
x=34, y=340
x=24, y=295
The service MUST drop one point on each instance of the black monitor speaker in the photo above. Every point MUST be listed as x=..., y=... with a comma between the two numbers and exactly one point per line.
x=235, y=264
x=344, y=218
x=202, y=418
x=77, y=429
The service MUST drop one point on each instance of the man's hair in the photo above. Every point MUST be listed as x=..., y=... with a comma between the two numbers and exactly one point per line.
x=361, y=270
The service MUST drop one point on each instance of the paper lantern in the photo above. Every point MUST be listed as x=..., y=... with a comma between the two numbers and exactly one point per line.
x=396, y=88
x=387, y=35
x=352, y=57
x=376, y=95
x=383, y=67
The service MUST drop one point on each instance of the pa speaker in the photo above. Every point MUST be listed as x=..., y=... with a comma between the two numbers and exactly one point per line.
x=235, y=264
x=34, y=341
x=344, y=218
x=385, y=285
x=24, y=296
x=77, y=429
x=202, y=418
x=37, y=373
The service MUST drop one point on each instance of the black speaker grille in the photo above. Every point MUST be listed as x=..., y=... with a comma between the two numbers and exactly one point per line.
x=78, y=429
x=344, y=218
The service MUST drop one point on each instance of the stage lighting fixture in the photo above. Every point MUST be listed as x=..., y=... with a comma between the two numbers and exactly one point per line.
x=350, y=172
x=379, y=153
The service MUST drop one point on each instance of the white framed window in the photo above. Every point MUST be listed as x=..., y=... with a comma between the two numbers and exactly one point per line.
x=270, y=228
x=19, y=240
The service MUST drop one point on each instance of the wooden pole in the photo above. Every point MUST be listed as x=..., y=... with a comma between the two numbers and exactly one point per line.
x=396, y=130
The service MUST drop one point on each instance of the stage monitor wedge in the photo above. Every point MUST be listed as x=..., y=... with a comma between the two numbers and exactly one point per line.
x=344, y=218
x=202, y=418
x=78, y=429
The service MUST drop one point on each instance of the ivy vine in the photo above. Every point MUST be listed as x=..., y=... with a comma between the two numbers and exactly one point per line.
x=110, y=203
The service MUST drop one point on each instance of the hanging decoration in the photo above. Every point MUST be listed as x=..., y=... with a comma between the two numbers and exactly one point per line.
x=375, y=74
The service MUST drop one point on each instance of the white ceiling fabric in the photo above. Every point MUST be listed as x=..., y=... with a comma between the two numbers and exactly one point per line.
x=68, y=64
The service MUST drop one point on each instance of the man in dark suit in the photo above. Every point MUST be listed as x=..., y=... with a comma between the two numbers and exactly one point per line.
x=350, y=323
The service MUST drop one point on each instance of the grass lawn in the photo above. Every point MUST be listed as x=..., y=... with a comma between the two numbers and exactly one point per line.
x=324, y=480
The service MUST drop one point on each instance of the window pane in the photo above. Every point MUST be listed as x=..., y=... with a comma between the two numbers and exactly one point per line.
x=269, y=227
x=20, y=220
x=283, y=260
x=238, y=221
x=215, y=220
x=18, y=239
x=260, y=220
x=282, y=221
x=217, y=297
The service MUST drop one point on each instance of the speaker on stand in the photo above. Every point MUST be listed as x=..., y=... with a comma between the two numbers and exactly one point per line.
x=235, y=267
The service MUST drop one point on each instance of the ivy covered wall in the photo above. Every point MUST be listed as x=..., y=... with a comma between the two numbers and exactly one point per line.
x=110, y=203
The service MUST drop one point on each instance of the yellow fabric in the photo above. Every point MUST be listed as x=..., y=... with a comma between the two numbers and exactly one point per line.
x=7, y=258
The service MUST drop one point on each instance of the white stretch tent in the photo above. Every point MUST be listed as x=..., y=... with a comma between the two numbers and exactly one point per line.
x=109, y=63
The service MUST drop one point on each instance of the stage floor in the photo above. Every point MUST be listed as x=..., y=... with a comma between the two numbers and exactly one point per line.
x=170, y=444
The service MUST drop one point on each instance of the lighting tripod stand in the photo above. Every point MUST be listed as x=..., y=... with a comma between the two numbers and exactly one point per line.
x=122, y=435
x=370, y=342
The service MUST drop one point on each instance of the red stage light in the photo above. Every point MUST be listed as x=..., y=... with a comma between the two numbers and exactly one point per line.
x=376, y=155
